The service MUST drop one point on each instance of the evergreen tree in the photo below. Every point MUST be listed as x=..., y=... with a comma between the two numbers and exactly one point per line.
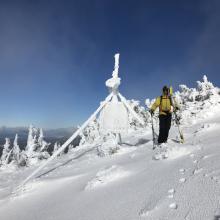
x=32, y=140
x=16, y=150
x=6, y=151
x=42, y=143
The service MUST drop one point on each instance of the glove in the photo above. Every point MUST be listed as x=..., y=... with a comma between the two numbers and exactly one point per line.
x=151, y=111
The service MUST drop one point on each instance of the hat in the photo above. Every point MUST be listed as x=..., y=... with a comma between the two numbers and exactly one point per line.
x=165, y=88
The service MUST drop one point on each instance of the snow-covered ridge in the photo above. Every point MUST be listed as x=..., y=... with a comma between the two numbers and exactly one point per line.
x=196, y=104
x=97, y=181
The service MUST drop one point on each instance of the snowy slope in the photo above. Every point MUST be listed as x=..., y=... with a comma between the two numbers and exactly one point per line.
x=127, y=185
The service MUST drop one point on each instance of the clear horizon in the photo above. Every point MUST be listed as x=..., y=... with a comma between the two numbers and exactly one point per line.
x=55, y=58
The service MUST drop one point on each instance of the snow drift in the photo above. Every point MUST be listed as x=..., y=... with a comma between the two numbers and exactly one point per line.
x=127, y=183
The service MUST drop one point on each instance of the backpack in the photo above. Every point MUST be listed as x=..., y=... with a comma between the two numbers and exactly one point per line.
x=171, y=101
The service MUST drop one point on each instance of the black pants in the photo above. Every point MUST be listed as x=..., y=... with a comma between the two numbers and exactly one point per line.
x=165, y=124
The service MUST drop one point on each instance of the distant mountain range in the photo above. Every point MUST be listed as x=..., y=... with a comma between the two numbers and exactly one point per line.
x=51, y=135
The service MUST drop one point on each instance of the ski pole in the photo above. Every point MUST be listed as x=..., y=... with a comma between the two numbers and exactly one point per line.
x=153, y=132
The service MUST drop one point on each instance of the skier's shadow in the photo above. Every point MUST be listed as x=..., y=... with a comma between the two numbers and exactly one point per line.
x=65, y=163
x=217, y=217
x=140, y=142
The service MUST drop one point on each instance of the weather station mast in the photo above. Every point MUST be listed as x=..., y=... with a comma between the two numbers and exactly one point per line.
x=113, y=117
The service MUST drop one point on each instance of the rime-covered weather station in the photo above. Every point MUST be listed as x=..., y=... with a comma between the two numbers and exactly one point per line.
x=114, y=115
x=113, y=111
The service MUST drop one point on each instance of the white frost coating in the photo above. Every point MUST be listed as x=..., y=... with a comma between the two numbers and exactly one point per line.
x=43, y=144
x=15, y=144
x=16, y=150
x=117, y=122
x=136, y=194
x=148, y=103
x=41, y=137
x=115, y=72
x=56, y=147
x=135, y=115
x=114, y=82
x=6, y=151
x=68, y=141
x=32, y=140
x=114, y=118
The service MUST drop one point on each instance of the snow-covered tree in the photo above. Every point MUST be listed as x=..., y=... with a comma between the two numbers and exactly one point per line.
x=91, y=133
x=16, y=150
x=198, y=102
x=186, y=94
x=141, y=111
x=42, y=143
x=204, y=91
x=23, y=160
x=56, y=147
x=6, y=151
x=36, y=145
x=32, y=144
x=15, y=156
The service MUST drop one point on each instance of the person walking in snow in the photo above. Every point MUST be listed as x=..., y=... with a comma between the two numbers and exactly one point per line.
x=166, y=107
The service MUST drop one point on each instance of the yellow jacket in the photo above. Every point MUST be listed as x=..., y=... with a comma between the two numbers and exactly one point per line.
x=165, y=105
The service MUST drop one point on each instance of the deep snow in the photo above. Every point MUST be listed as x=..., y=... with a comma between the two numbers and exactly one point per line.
x=129, y=184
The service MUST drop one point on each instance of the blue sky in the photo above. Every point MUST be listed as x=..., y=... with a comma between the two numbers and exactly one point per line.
x=56, y=55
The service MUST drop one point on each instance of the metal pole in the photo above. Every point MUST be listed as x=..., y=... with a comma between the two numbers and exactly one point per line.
x=153, y=132
x=68, y=141
x=130, y=109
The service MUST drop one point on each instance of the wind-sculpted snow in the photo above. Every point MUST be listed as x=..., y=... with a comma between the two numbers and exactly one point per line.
x=105, y=176
x=128, y=184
